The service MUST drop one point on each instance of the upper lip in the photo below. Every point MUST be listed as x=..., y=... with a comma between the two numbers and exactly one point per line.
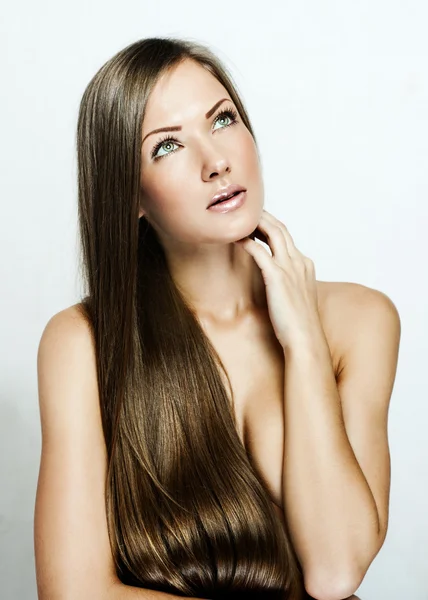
x=226, y=192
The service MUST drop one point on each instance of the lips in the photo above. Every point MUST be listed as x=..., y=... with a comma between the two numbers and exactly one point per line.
x=226, y=192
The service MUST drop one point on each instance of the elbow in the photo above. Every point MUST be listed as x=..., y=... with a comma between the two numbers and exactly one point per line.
x=332, y=588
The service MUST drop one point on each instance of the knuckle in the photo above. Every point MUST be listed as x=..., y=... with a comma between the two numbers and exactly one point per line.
x=308, y=262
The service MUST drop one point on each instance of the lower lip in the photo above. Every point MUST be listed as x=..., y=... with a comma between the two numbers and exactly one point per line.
x=231, y=204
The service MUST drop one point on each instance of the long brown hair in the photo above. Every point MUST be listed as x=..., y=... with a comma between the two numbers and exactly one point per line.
x=187, y=513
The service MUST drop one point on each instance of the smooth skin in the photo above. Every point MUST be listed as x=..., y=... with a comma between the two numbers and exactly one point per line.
x=225, y=285
x=72, y=549
x=73, y=556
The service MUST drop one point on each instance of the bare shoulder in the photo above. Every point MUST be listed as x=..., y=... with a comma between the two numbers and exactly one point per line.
x=70, y=513
x=66, y=367
x=347, y=306
x=344, y=298
x=72, y=321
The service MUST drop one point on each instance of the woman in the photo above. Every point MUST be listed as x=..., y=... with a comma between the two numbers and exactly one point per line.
x=194, y=439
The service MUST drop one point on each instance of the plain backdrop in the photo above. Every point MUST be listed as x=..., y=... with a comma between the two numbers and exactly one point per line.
x=338, y=96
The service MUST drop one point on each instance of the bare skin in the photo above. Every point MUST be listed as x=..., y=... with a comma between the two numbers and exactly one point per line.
x=226, y=288
x=220, y=279
x=70, y=510
x=250, y=346
x=228, y=293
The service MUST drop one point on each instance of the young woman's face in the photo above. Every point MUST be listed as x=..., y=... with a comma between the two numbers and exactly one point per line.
x=180, y=176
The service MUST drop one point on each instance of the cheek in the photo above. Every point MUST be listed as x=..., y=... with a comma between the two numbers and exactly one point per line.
x=164, y=191
x=168, y=200
x=248, y=156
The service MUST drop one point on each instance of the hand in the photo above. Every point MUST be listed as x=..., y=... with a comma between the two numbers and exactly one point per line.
x=289, y=277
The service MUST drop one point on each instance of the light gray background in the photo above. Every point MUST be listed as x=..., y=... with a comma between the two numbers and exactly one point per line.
x=338, y=95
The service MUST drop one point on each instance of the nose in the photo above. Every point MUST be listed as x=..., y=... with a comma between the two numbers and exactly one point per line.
x=215, y=166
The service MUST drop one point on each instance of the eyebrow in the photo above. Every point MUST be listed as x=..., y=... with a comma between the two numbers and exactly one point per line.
x=179, y=127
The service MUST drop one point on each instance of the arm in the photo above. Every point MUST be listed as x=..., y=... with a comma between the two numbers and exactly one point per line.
x=336, y=459
x=73, y=554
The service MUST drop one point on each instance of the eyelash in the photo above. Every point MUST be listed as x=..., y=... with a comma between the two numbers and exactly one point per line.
x=229, y=112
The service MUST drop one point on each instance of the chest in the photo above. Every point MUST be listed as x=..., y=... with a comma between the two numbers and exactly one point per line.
x=254, y=361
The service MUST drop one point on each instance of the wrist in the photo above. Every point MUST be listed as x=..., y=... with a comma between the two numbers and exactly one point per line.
x=311, y=345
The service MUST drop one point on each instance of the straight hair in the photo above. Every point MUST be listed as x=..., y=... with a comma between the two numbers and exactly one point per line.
x=187, y=512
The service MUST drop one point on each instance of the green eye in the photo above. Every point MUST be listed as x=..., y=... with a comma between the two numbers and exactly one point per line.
x=230, y=113
x=167, y=142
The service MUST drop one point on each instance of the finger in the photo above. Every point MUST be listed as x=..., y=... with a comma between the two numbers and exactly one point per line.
x=261, y=255
x=257, y=234
x=276, y=241
x=291, y=247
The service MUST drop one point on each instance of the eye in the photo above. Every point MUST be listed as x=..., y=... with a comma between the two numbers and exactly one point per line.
x=167, y=141
x=229, y=113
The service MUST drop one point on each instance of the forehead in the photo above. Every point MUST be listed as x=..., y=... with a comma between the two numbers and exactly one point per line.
x=185, y=92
